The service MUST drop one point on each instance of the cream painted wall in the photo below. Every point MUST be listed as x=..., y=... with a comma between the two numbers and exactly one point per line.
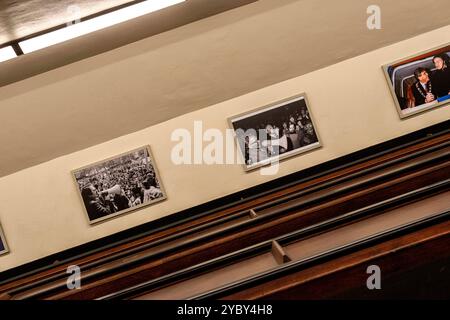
x=41, y=213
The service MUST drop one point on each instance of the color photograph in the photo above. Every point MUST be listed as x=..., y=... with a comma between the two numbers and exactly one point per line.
x=420, y=82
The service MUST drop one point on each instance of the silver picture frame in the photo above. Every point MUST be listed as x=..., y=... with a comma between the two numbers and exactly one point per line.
x=157, y=177
x=299, y=101
x=405, y=65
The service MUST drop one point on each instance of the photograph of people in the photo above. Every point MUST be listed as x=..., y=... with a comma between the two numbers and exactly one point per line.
x=278, y=130
x=420, y=82
x=441, y=76
x=119, y=185
x=423, y=90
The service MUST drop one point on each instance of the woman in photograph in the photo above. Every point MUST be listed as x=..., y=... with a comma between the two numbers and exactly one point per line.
x=284, y=128
x=135, y=198
x=150, y=191
x=441, y=76
x=303, y=118
x=309, y=134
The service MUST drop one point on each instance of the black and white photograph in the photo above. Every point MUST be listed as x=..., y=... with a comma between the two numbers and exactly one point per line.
x=3, y=245
x=118, y=185
x=420, y=82
x=274, y=132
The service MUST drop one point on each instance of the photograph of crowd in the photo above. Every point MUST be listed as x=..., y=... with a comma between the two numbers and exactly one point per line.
x=3, y=246
x=276, y=131
x=420, y=82
x=118, y=185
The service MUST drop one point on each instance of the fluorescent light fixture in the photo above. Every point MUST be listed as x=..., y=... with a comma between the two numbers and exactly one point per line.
x=7, y=53
x=94, y=24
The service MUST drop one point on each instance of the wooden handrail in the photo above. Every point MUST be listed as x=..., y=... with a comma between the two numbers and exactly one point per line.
x=422, y=164
x=326, y=256
x=283, y=240
x=155, y=254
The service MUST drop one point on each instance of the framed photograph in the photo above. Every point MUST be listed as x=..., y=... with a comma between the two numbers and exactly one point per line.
x=118, y=185
x=420, y=82
x=3, y=246
x=275, y=132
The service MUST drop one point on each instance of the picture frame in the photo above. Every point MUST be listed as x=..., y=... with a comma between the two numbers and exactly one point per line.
x=3, y=244
x=120, y=184
x=292, y=138
x=406, y=89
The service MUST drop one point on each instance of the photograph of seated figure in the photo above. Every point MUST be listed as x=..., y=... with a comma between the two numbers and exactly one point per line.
x=421, y=82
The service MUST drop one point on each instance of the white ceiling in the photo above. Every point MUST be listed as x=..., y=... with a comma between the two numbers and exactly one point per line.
x=21, y=18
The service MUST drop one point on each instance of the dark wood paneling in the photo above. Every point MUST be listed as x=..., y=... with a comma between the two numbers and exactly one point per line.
x=227, y=241
x=242, y=200
x=296, y=246
x=308, y=206
x=399, y=259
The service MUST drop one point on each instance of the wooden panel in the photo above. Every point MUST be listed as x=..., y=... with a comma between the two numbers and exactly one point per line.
x=324, y=176
x=247, y=237
x=305, y=248
x=355, y=231
x=327, y=200
x=337, y=278
x=211, y=280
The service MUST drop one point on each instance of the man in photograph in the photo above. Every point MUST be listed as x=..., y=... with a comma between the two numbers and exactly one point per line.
x=94, y=206
x=441, y=76
x=423, y=88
